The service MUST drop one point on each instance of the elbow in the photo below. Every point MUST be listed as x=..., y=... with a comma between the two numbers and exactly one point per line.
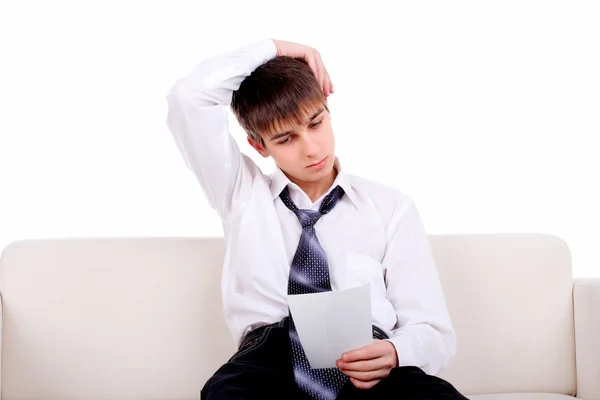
x=447, y=351
x=194, y=94
x=440, y=363
x=179, y=92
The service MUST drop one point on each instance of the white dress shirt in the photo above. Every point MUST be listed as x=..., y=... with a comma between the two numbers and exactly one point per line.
x=373, y=235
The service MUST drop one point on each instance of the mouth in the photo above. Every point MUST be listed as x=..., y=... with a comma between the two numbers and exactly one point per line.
x=318, y=164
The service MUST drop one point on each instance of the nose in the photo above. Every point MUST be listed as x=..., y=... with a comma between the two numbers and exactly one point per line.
x=311, y=147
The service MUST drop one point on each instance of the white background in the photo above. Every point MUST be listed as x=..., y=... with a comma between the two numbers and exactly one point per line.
x=486, y=113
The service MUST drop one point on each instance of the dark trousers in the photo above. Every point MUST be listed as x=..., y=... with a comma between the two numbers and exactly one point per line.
x=262, y=369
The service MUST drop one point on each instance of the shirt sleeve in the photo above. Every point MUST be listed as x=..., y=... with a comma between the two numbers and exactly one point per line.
x=423, y=335
x=197, y=118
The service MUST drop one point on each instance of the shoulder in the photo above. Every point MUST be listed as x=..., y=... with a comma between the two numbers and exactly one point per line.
x=387, y=199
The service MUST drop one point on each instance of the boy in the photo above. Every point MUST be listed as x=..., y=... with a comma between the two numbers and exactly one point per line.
x=309, y=227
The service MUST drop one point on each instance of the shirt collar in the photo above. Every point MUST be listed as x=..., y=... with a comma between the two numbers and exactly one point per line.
x=280, y=181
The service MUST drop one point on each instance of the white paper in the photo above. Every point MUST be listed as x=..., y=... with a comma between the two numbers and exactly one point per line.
x=331, y=323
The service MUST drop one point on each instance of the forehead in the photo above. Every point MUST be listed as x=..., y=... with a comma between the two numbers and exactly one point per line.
x=304, y=116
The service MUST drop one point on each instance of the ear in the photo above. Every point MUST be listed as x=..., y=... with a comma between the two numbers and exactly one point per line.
x=258, y=147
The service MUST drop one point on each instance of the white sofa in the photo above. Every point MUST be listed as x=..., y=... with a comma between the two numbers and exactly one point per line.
x=140, y=318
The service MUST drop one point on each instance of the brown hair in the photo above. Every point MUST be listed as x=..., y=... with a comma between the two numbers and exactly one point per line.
x=277, y=94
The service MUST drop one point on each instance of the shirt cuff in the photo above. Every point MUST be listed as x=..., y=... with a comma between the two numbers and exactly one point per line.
x=260, y=52
x=404, y=350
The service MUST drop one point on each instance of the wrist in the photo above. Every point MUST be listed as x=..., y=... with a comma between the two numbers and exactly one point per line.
x=393, y=354
x=277, y=46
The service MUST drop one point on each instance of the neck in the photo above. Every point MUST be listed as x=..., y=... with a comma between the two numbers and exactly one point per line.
x=315, y=189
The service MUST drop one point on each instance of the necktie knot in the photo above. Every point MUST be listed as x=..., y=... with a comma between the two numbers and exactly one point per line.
x=310, y=217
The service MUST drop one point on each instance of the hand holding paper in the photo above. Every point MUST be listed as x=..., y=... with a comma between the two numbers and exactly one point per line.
x=368, y=365
x=331, y=323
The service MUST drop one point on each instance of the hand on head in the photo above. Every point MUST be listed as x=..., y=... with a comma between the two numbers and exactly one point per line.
x=312, y=57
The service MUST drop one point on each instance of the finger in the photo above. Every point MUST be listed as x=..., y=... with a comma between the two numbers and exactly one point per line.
x=321, y=77
x=363, y=385
x=363, y=365
x=366, y=376
x=325, y=87
x=329, y=85
x=364, y=353
x=313, y=66
x=318, y=67
x=323, y=73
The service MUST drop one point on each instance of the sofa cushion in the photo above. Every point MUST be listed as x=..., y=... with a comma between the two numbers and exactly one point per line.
x=522, y=396
x=141, y=318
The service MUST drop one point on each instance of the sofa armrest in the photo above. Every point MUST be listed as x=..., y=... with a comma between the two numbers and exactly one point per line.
x=586, y=303
x=1, y=319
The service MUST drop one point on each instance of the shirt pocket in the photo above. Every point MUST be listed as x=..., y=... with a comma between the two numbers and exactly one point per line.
x=361, y=269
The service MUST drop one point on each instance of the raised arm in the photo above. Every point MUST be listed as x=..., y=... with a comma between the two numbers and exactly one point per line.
x=197, y=118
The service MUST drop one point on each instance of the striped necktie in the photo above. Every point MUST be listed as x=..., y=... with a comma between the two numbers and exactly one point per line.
x=309, y=273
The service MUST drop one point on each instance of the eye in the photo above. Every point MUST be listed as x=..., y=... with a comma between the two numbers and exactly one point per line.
x=315, y=124
x=284, y=141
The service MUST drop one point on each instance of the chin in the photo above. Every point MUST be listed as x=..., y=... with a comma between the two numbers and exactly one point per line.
x=330, y=164
x=325, y=171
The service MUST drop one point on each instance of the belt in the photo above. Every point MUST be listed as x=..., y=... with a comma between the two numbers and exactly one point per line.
x=378, y=333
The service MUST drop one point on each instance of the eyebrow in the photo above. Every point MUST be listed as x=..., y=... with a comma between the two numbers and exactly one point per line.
x=282, y=134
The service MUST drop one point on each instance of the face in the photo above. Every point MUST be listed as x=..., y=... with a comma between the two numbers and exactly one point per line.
x=304, y=152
